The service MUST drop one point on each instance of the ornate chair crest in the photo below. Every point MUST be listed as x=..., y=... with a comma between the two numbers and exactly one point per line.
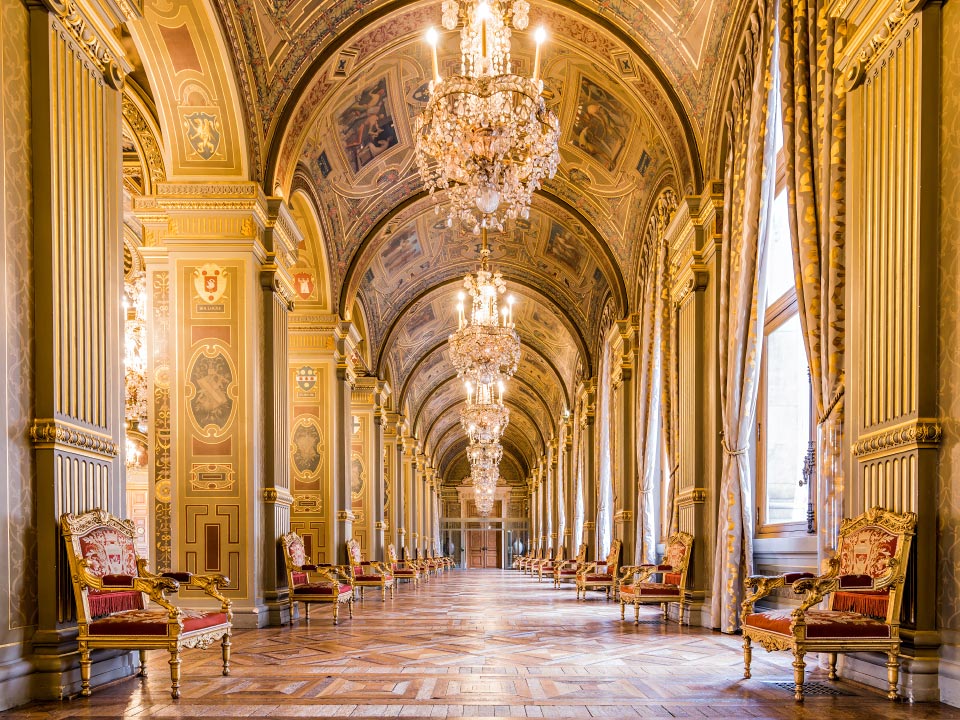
x=310, y=583
x=635, y=586
x=864, y=582
x=112, y=588
x=365, y=573
x=600, y=575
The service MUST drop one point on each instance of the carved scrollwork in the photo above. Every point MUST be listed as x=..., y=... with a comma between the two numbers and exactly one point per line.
x=202, y=642
x=148, y=143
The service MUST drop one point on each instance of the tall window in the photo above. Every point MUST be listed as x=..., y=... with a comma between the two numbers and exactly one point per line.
x=784, y=423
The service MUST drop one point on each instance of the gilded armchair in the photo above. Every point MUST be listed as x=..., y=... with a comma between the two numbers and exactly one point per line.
x=601, y=575
x=546, y=566
x=311, y=583
x=365, y=573
x=536, y=555
x=417, y=563
x=864, y=582
x=566, y=570
x=112, y=588
x=402, y=570
x=635, y=587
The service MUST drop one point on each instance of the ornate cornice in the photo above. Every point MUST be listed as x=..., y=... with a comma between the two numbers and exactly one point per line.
x=915, y=433
x=86, y=36
x=50, y=433
x=876, y=45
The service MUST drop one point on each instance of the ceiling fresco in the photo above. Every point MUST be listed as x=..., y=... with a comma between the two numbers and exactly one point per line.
x=279, y=43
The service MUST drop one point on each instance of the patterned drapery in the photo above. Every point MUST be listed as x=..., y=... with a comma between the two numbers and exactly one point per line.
x=748, y=196
x=652, y=418
x=814, y=146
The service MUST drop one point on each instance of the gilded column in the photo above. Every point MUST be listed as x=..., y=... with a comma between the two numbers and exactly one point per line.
x=380, y=480
x=693, y=238
x=587, y=419
x=364, y=463
x=891, y=64
x=281, y=237
x=622, y=424
x=408, y=449
x=341, y=529
x=556, y=538
x=77, y=67
x=417, y=494
x=393, y=482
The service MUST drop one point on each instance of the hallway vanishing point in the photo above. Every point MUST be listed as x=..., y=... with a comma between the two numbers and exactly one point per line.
x=481, y=643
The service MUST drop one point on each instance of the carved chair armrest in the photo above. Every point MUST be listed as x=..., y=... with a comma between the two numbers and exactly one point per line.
x=211, y=583
x=153, y=587
x=380, y=568
x=758, y=587
x=814, y=590
x=590, y=566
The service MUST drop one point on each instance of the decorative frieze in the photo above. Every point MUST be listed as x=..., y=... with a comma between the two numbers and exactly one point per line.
x=51, y=433
x=914, y=434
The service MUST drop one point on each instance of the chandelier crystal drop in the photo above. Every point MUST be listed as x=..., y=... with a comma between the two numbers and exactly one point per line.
x=485, y=349
x=484, y=487
x=486, y=135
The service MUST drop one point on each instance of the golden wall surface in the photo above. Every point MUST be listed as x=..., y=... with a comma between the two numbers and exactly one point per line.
x=948, y=491
x=18, y=554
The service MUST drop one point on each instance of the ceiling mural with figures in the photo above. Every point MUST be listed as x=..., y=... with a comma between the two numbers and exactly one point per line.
x=321, y=108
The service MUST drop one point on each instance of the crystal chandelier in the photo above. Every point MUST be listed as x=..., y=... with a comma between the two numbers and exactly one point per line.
x=484, y=487
x=486, y=135
x=485, y=349
x=485, y=417
x=485, y=455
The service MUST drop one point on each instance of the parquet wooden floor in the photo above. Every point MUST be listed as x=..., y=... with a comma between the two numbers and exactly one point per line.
x=480, y=643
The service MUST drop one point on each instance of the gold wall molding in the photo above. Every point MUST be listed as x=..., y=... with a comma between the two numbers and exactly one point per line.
x=696, y=281
x=52, y=433
x=692, y=496
x=344, y=515
x=278, y=496
x=623, y=516
x=910, y=435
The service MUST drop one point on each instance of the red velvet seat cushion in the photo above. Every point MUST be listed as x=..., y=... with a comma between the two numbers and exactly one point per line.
x=572, y=571
x=821, y=624
x=405, y=572
x=319, y=589
x=791, y=577
x=599, y=577
x=154, y=622
x=372, y=578
x=651, y=588
x=117, y=581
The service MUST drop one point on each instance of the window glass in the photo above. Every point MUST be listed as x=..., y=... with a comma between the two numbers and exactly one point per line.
x=787, y=413
x=779, y=270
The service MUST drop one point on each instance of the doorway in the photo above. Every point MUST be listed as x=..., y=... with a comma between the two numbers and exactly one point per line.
x=483, y=548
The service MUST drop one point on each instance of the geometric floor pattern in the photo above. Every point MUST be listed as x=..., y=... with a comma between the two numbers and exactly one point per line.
x=480, y=644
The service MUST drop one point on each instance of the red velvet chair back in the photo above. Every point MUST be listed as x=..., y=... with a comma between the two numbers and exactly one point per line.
x=105, y=546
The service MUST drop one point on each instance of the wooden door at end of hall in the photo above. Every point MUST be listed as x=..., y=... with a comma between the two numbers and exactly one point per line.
x=483, y=548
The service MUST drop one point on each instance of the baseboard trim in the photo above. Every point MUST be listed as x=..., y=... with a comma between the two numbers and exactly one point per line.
x=918, y=678
x=950, y=674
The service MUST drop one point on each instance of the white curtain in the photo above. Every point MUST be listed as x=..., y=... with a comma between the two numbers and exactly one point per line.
x=605, y=489
x=577, y=488
x=561, y=495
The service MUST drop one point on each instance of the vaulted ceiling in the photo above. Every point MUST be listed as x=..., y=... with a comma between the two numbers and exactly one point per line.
x=634, y=84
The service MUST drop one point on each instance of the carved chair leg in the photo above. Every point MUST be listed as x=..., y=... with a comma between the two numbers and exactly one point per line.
x=350, y=606
x=383, y=593
x=623, y=610
x=336, y=611
x=84, y=669
x=832, y=665
x=636, y=613
x=665, y=607
x=226, y=654
x=292, y=605
x=143, y=663
x=306, y=611
x=747, y=655
x=174, y=671
x=798, y=669
x=893, y=673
